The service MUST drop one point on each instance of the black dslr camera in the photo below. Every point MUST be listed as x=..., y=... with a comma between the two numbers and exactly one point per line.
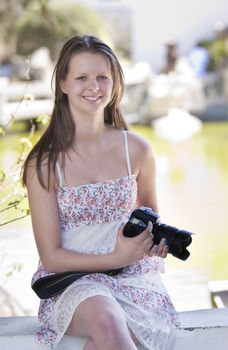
x=177, y=240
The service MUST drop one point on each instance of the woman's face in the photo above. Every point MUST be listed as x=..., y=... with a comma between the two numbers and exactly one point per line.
x=89, y=83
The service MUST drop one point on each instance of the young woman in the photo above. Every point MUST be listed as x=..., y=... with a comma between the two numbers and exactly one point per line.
x=84, y=177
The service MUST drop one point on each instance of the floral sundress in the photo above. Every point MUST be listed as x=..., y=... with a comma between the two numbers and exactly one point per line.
x=90, y=216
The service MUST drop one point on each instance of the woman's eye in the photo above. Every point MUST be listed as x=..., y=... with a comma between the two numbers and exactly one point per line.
x=102, y=77
x=81, y=78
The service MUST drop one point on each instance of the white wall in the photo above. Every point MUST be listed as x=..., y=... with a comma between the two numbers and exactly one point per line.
x=154, y=21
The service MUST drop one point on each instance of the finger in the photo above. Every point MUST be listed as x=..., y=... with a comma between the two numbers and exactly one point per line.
x=147, y=250
x=148, y=242
x=153, y=250
x=120, y=229
x=164, y=252
x=142, y=237
x=161, y=246
x=147, y=232
x=150, y=226
x=160, y=250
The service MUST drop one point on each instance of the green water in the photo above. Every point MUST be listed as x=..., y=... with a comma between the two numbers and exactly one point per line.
x=192, y=185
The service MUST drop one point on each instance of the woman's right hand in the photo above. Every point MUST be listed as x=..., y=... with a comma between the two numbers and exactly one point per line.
x=131, y=249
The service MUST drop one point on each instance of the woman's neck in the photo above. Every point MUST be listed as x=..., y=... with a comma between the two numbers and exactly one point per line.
x=90, y=130
x=90, y=125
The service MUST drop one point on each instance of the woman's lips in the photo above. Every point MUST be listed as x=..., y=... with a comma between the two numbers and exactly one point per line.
x=92, y=98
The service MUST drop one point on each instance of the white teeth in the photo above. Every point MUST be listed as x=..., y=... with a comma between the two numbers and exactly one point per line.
x=91, y=98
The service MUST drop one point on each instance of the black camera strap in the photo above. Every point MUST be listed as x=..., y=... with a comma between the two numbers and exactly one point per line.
x=51, y=285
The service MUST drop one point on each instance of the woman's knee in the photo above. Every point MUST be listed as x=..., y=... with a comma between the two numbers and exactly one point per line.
x=95, y=314
x=110, y=327
x=98, y=317
x=89, y=345
x=108, y=319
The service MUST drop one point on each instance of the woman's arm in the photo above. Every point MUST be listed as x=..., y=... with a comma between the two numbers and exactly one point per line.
x=146, y=179
x=144, y=167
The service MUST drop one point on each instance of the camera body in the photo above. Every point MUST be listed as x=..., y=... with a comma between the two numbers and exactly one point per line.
x=176, y=239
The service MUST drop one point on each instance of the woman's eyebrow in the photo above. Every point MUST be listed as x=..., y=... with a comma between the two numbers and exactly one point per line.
x=85, y=73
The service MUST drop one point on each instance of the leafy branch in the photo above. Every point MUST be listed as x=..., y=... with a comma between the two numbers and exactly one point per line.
x=13, y=194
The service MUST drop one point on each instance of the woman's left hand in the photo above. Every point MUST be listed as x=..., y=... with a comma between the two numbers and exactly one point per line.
x=160, y=250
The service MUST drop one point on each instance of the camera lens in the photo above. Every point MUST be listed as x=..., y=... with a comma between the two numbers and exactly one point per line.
x=176, y=239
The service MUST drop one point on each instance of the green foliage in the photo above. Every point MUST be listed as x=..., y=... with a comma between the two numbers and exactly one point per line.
x=54, y=26
x=43, y=119
x=12, y=268
x=13, y=197
x=10, y=13
x=218, y=51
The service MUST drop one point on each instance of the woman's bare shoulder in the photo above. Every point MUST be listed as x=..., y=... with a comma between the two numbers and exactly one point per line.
x=34, y=170
x=32, y=163
x=138, y=143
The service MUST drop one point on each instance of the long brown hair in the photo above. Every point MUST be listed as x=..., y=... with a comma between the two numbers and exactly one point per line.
x=60, y=133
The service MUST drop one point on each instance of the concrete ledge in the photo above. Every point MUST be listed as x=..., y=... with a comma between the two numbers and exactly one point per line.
x=200, y=330
x=16, y=333
x=203, y=330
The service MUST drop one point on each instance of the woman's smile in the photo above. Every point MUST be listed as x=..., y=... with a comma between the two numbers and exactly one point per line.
x=92, y=98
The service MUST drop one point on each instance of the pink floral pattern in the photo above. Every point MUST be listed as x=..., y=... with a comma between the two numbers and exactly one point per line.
x=138, y=290
x=97, y=203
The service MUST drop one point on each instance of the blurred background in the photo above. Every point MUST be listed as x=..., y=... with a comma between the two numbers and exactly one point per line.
x=175, y=61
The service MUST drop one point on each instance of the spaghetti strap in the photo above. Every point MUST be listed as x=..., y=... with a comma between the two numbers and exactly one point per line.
x=127, y=152
x=60, y=174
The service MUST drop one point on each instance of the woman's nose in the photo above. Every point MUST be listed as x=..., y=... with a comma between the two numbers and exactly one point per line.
x=93, y=85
